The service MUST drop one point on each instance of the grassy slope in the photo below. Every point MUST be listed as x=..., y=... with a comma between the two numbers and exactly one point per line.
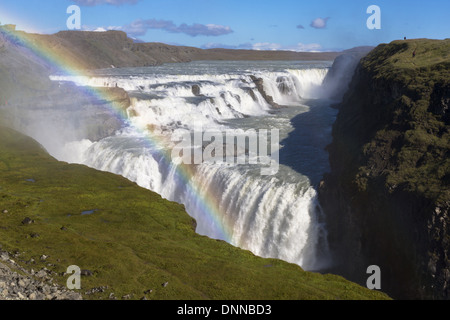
x=136, y=240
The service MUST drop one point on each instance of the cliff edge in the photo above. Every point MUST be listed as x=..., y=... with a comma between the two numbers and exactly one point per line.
x=387, y=196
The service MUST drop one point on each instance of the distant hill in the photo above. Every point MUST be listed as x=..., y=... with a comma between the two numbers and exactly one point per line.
x=97, y=50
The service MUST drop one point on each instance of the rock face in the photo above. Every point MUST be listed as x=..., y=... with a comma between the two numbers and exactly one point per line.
x=387, y=196
x=259, y=82
x=440, y=101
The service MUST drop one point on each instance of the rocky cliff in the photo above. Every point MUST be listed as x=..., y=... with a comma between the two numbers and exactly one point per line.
x=387, y=196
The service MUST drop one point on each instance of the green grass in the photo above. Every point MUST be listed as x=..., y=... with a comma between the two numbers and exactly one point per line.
x=136, y=240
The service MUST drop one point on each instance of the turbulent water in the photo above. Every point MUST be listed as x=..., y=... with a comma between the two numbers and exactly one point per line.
x=271, y=215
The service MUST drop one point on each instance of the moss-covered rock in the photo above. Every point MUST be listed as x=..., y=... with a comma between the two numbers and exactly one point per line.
x=388, y=195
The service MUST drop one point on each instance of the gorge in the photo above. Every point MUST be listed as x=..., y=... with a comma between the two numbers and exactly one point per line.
x=384, y=201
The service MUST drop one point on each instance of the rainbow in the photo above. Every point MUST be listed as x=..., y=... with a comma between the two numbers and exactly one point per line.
x=64, y=62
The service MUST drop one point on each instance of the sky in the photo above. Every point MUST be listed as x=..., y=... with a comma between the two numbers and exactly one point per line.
x=300, y=25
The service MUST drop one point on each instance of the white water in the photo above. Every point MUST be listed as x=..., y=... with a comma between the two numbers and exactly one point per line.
x=272, y=216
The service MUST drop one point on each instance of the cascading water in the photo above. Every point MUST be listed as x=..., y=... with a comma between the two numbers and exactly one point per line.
x=273, y=216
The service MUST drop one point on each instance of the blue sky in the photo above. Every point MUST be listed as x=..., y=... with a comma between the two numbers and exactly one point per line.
x=313, y=25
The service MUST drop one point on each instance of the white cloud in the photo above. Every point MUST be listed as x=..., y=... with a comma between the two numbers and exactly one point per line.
x=214, y=45
x=299, y=47
x=310, y=47
x=266, y=46
x=319, y=23
x=140, y=28
x=100, y=29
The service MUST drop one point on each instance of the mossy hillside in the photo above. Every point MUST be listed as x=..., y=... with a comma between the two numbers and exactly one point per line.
x=401, y=139
x=387, y=197
x=135, y=240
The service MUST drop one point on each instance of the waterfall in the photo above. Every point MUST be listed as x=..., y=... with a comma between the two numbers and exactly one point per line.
x=270, y=216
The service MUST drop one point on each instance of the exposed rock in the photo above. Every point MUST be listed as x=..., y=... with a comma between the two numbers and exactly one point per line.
x=117, y=96
x=283, y=86
x=87, y=273
x=387, y=200
x=440, y=101
x=27, y=221
x=30, y=285
x=41, y=274
x=259, y=82
x=97, y=290
x=196, y=90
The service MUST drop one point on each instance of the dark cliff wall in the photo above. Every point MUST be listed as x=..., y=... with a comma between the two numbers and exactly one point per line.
x=387, y=196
